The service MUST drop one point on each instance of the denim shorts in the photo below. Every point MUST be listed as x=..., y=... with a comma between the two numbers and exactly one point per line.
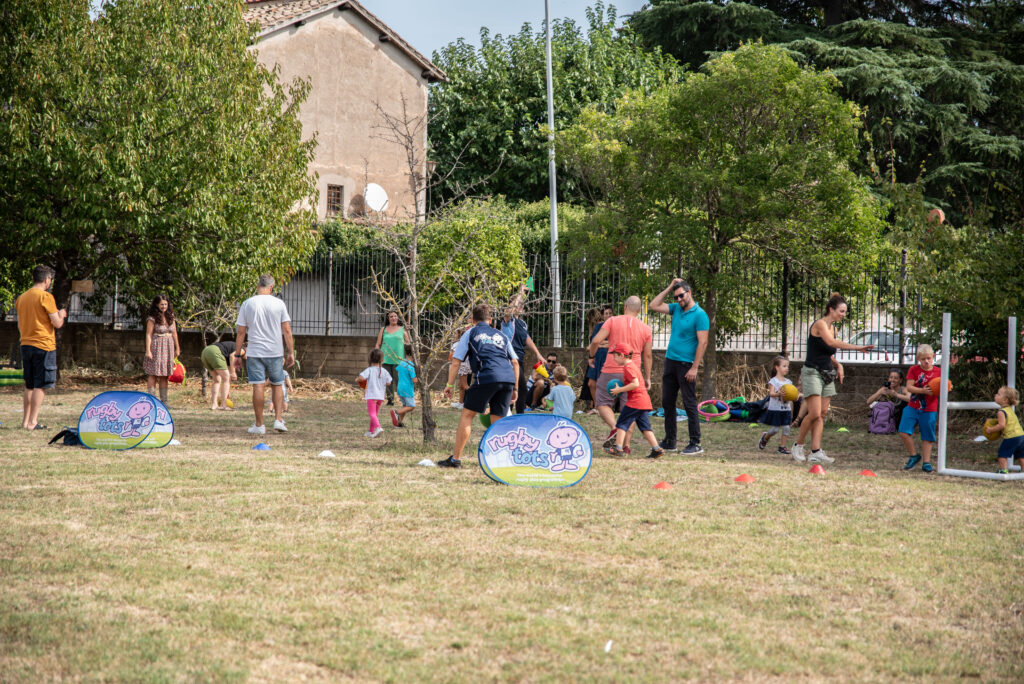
x=925, y=420
x=407, y=401
x=262, y=370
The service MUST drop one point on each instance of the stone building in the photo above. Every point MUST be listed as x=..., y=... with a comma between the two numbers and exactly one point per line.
x=355, y=63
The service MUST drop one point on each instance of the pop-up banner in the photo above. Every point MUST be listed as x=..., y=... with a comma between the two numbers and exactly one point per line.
x=124, y=420
x=535, y=450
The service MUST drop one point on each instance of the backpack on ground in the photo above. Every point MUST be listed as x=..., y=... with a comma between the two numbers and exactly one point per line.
x=883, y=418
x=69, y=435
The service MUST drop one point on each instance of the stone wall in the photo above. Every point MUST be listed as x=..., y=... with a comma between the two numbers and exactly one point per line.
x=343, y=358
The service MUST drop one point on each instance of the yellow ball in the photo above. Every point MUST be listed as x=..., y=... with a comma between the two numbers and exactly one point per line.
x=992, y=436
x=790, y=393
x=230, y=403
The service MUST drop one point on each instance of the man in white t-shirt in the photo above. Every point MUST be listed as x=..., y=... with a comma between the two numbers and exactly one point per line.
x=265, y=320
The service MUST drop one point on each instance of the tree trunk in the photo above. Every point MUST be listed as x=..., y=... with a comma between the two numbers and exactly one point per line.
x=833, y=12
x=62, y=297
x=427, y=419
x=710, y=357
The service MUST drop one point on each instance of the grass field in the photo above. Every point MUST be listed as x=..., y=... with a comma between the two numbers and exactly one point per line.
x=210, y=561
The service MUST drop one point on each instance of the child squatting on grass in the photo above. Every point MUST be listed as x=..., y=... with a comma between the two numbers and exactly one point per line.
x=638, y=403
x=1009, y=427
x=922, y=410
x=375, y=380
x=406, y=389
x=780, y=412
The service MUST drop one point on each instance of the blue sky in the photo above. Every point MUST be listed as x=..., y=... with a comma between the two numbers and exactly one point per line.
x=432, y=24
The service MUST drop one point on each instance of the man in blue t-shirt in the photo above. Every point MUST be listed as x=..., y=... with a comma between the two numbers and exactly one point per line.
x=495, y=369
x=686, y=346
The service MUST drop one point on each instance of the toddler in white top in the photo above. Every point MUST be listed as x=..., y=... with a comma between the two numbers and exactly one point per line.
x=374, y=380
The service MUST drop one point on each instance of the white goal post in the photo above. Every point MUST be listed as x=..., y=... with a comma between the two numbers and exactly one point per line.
x=945, y=406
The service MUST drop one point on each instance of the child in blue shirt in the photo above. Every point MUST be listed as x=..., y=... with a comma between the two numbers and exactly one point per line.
x=406, y=391
x=561, y=395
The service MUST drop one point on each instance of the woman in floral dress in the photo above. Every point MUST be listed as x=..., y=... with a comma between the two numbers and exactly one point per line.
x=161, y=345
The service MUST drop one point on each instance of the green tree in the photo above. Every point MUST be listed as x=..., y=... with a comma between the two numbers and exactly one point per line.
x=940, y=81
x=149, y=145
x=750, y=157
x=485, y=125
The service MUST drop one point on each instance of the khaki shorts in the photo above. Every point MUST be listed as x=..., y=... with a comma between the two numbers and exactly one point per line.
x=811, y=384
x=602, y=397
x=213, y=358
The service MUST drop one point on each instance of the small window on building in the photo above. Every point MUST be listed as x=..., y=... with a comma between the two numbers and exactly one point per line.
x=335, y=201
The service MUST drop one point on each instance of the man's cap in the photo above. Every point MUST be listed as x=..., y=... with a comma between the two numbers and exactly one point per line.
x=621, y=348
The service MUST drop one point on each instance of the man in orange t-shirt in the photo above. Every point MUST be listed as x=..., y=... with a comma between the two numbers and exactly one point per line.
x=629, y=330
x=37, y=318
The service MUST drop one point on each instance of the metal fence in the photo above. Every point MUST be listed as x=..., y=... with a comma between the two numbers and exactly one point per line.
x=337, y=295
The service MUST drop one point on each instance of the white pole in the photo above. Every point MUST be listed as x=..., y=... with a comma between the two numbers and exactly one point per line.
x=1011, y=353
x=556, y=281
x=943, y=394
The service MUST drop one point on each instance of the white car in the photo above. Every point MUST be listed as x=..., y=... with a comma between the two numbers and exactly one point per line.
x=886, y=351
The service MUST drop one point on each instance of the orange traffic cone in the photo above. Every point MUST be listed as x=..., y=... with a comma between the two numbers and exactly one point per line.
x=663, y=485
x=744, y=478
x=867, y=473
x=817, y=469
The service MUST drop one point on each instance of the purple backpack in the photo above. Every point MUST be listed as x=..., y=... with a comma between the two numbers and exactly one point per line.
x=883, y=418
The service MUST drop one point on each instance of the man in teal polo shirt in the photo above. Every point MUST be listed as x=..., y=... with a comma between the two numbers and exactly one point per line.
x=686, y=347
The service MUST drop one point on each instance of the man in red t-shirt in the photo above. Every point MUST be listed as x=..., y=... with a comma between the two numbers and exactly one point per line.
x=629, y=330
x=638, y=403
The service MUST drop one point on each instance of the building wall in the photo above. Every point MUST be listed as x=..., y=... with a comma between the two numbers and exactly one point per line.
x=351, y=72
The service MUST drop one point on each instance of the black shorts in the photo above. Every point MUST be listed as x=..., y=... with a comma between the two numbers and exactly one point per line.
x=497, y=395
x=39, y=367
x=630, y=415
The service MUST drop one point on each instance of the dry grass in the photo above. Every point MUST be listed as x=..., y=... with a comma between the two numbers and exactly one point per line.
x=211, y=561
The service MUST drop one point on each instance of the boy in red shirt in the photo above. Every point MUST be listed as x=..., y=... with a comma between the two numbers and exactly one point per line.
x=922, y=410
x=638, y=403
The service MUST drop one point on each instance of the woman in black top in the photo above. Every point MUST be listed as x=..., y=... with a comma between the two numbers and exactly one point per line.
x=818, y=377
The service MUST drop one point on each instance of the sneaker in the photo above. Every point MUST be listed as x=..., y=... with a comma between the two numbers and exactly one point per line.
x=819, y=456
x=456, y=405
x=693, y=449
x=667, y=445
x=611, y=438
x=656, y=452
x=798, y=453
x=912, y=461
x=377, y=433
x=255, y=429
x=626, y=450
x=279, y=426
x=784, y=450
x=450, y=462
x=394, y=418
x=928, y=468
x=763, y=442
x=367, y=434
x=1003, y=471
x=614, y=450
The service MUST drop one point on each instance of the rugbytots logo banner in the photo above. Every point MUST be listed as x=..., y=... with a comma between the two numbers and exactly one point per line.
x=123, y=420
x=535, y=451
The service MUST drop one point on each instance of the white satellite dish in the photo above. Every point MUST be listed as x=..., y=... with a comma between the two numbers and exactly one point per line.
x=375, y=197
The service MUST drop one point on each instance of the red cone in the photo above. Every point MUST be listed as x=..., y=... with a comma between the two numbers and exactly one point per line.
x=663, y=485
x=744, y=478
x=817, y=469
x=867, y=473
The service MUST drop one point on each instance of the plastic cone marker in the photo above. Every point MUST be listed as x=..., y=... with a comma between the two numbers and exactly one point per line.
x=867, y=473
x=842, y=430
x=744, y=478
x=663, y=485
x=261, y=447
x=817, y=469
x=326, y=453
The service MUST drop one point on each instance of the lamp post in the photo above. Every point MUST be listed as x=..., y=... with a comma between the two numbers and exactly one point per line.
x=556, y=282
